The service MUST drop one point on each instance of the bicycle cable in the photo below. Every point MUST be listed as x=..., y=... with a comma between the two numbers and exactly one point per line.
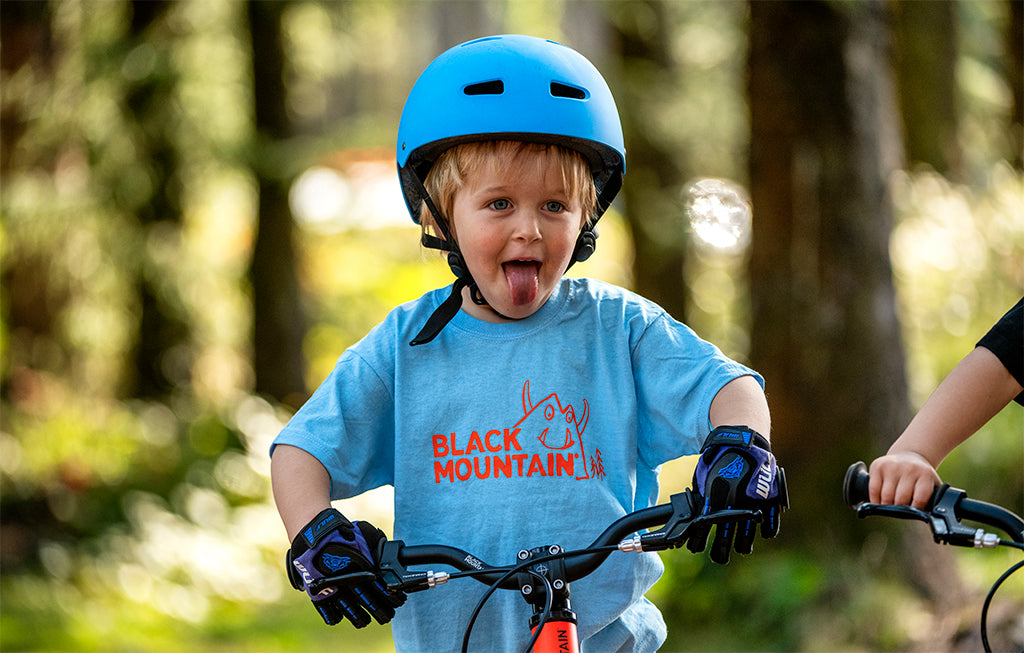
x=493, y=587
x=524, y=566
x=992, y=592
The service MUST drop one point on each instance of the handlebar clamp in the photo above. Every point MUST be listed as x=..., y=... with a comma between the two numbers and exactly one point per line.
x=550, y=566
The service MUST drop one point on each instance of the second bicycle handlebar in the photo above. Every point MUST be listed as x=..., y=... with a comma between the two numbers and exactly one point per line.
x=945, y=510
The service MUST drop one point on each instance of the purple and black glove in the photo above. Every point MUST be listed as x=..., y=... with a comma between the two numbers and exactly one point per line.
x=737, y=471
x=335, y=562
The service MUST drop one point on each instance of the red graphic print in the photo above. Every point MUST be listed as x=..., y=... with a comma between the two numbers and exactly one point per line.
x=507, y=452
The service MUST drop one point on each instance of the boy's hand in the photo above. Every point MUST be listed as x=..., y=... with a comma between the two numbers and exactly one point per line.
x=737, y=470
x=903, y=478
x=330, y=546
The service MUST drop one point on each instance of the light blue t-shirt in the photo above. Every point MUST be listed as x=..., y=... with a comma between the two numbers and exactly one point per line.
x=502, y=437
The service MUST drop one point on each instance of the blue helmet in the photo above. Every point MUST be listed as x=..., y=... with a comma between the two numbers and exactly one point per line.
x=511, y=87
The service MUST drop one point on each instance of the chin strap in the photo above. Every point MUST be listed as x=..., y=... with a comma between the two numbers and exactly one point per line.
x=450, y=307
x=442, y=315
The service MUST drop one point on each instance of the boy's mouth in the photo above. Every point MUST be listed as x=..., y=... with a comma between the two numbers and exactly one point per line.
x=522, y=280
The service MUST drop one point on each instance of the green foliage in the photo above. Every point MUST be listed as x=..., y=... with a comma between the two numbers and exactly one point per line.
x=43, y=614
x=147, y=524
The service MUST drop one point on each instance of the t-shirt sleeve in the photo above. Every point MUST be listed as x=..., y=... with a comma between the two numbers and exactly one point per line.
x=677, y=376
x=1006, y=340
x=348, y=425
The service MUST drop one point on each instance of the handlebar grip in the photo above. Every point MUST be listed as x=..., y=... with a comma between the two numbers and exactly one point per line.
x=856, y=495
x=855, y=485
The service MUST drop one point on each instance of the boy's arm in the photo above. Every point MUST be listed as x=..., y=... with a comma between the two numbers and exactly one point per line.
x=301, y=487
x=977, y=388
x=741, y=402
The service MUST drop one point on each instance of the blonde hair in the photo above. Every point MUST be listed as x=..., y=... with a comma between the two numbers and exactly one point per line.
x=448, y=174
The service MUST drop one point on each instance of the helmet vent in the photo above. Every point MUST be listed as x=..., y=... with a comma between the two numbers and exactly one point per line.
x=493, y=87
x=559, y=89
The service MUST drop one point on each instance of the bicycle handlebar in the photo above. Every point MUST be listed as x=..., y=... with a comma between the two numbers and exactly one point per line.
x=946, y=509
x=681, y=516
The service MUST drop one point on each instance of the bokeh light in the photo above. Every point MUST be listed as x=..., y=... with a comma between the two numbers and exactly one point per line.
x=719, y=214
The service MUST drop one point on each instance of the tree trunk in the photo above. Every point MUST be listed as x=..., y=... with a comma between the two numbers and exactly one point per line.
x=31, y=300
x=826, y=334
x=25, y=39
x=926, y=55
x=163, y=337
x=653, y=172
x=279, y=324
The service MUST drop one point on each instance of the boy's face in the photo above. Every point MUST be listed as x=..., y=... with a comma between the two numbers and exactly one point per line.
x=516, y=226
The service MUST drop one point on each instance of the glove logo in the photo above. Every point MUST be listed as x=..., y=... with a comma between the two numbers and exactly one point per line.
x=764, y=480
x=306, y=577
x=733, y=469
x=743, y=436
x=335, y=563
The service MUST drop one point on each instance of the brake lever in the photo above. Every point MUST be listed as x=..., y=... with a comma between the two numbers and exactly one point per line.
x=897, y=512
x=946, y=526
x=320, y=584
x=941, y=518
x=674, y=533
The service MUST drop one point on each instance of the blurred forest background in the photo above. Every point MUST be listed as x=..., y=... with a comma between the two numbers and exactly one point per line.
x=200, y=212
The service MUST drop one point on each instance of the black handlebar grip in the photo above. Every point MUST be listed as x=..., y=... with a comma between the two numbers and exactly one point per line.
x=855, y=485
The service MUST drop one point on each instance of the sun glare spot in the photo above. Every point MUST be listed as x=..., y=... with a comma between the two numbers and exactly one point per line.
x=719, y=214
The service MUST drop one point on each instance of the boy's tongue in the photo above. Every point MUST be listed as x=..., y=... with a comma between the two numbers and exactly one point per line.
x=522, y=281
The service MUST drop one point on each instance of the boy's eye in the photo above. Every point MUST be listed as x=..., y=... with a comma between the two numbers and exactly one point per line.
x=501, y=205
x=554, y=207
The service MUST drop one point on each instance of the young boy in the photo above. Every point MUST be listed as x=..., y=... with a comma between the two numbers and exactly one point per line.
x=517, y=408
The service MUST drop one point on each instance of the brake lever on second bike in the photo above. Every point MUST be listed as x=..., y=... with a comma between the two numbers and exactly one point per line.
x=673, y=534
x=941, y=518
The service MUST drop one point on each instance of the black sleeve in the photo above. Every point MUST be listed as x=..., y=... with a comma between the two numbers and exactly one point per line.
x=1006, y=340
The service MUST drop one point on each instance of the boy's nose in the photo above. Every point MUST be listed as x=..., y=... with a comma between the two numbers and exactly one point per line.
x=527, y=226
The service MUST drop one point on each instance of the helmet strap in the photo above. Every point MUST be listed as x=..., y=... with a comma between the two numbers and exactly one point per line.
x=450, y=307
x=447, y=242
x=442, y=315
